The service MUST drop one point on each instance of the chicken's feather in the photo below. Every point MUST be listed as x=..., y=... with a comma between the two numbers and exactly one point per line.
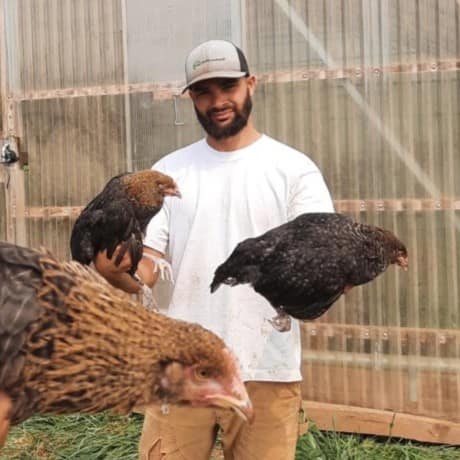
x=119, y=215
x=302, y=267
x=72, y=343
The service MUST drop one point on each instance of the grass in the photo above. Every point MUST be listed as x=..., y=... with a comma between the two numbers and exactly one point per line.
x=89, y=437
x=319, y=445
x=115, y=438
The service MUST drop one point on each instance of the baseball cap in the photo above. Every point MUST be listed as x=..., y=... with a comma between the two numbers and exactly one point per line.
x=214, y=59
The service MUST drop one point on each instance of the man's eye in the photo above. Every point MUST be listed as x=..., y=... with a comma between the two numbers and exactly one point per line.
x=198, y=91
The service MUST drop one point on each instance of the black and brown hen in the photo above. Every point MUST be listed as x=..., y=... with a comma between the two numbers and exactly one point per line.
x=69, y=343
x=302, y=267
x=119, y=215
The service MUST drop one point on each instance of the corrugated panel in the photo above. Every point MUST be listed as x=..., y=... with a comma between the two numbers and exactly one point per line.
x=160, y=34
x=63, y=43
x=74, y=146
x=369, y=89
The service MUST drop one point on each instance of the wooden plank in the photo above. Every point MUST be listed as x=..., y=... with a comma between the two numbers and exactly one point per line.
x=17, y=199
x=3, y=209
x=382, y=361
x=168, y=90
x=398, y=205
x=346, y=206
x=379, y=332
x=353, y=419
x=403, y=390
x=13, y=178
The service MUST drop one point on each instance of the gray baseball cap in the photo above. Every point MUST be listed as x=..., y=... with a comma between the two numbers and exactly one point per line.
x=214, y=59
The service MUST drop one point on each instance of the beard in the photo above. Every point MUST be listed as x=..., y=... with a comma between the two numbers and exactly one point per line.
x=239, y=121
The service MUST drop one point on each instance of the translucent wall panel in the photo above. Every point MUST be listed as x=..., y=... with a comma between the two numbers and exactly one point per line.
x=63, y=43
x=369, y=89
x=160, y=34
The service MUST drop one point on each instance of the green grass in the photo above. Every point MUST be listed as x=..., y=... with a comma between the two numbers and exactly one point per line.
x=112, y=437
x=89, y=437
x=319, y=445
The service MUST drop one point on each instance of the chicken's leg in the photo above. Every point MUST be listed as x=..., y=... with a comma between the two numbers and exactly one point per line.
x=162, y=266
x=282, y=321
x=165, y=271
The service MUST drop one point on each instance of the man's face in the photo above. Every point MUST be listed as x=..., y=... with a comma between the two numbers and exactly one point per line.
x=223, y=105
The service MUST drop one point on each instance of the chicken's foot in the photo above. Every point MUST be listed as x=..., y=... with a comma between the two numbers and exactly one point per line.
x=161, y=265
x=281, y=322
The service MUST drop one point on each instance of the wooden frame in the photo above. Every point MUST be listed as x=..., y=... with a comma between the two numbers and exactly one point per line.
x=352, y=419
x=169, y=90
x=347, y=206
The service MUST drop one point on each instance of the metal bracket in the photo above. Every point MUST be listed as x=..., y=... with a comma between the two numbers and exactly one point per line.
x=177, y=121
x=8, y=155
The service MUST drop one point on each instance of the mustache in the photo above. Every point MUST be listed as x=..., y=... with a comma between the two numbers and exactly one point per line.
x=218, y=109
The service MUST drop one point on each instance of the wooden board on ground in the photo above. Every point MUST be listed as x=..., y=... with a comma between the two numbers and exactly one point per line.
x=352, y=419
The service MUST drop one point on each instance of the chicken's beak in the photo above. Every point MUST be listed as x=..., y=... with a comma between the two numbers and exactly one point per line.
x=173, y=191
x=403, y=262
x=239, y=402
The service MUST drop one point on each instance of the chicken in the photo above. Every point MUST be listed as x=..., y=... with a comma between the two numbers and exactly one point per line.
x=119, y=215
x=69, y=342
x=302, y=267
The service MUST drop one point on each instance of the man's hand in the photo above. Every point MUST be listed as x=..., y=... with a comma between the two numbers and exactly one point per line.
x=117, y=275
x=5, y=407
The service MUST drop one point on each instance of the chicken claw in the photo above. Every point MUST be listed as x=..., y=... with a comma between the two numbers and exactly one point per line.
x=281, y=322
x=163, y=266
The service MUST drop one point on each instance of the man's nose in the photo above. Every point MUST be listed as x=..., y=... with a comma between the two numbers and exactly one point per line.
x=218, y=98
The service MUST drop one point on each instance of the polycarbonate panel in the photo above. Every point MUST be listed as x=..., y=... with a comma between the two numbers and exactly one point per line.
x=370, y=90
x=160, y=34
x=56, y=44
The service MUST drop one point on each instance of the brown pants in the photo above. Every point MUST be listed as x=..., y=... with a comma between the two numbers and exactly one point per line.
x=186, y=433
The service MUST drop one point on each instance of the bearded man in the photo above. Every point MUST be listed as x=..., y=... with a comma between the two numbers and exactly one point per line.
x=236, y=183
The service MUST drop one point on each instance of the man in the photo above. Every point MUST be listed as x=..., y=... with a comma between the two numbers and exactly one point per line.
x=236, y=183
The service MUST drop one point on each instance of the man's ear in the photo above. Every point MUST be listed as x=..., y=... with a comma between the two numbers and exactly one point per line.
x=252, y=83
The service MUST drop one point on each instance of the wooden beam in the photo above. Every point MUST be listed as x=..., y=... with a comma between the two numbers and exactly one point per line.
x=346, y=206
x=426, y=393
x=168, y=90
x=353, y=419
x=53, y=212
x=398, y=205
x=360, y=331
x=382, y=360
x=13, y=178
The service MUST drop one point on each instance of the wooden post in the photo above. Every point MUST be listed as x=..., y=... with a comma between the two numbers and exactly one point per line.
x=13, y=178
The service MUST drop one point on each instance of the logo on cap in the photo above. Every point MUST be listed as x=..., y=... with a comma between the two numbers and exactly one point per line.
x=204, y=61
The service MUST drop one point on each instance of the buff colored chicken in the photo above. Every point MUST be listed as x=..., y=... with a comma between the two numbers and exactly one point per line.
x=69, y=342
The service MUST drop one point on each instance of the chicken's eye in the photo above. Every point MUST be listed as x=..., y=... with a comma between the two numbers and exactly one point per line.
x=203, y=373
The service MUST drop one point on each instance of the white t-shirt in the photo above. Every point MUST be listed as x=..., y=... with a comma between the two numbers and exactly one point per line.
x=228, y=197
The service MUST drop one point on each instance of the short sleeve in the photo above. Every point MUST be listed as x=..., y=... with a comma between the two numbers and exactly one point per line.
x=157, y=234
x=309, y=194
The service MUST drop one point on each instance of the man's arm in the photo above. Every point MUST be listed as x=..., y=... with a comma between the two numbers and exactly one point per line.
x=117, y=275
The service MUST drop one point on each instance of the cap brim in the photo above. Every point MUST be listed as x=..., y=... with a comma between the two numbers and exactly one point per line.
x=216, y=74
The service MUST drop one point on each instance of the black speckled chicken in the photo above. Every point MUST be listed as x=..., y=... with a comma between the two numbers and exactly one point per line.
x=71, y=343
x=302, y=267
x=119, y=215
